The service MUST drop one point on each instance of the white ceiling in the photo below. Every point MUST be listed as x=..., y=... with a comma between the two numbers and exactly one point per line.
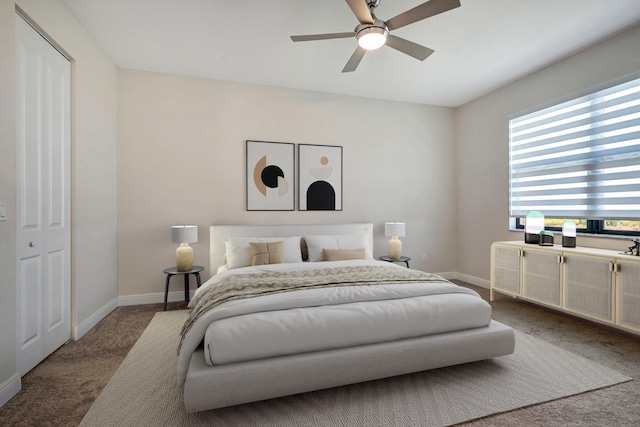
x=479, y=46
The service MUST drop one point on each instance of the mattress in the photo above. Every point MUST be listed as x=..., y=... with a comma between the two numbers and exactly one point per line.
x=325, y=318
x=299, y=330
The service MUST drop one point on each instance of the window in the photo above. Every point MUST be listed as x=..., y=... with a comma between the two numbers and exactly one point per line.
x=626, y=227
x=580, y=159
x=586, y=226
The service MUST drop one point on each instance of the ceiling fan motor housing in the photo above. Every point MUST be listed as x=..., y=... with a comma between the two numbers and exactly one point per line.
x=378, y=28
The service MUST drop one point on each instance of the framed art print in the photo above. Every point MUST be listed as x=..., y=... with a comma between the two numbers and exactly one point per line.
x=319, y=177
x=270, y=176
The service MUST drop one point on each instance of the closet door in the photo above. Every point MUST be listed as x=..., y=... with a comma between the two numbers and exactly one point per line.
x=43, y=198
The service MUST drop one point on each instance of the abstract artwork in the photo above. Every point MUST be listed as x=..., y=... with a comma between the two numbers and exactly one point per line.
x=320, y=177
x=270, y=176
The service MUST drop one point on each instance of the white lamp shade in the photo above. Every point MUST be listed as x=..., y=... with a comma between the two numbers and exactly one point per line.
x=534, y=222
x=184, y=233
x=394, y=229
x=569, y=228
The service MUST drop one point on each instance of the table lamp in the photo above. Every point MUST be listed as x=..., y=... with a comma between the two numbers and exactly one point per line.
x=569, y=234
x=393, y=230
x=184, y=234
x=533, y=225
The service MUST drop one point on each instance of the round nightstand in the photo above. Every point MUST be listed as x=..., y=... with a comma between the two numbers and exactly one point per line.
x=173, y=271
x=404, y=259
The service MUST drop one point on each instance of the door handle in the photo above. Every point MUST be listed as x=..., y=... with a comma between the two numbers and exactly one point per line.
x=32, y=244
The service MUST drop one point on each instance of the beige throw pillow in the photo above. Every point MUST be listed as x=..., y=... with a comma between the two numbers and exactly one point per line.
x=266, y=253
x=343, y=254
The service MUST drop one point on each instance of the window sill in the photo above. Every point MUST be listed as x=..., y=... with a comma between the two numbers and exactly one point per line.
x=512, y=227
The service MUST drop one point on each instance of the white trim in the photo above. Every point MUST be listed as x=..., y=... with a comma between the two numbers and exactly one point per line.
x=450, y=275
x=10, y=388
x=154, y=298
x=94, y=319
x=483, y=283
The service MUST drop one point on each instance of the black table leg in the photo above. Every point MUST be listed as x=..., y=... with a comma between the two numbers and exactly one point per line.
x=166, y=292
x=197, y=279
x=186, y=287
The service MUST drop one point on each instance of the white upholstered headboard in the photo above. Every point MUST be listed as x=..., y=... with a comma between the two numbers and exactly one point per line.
x=218, y=234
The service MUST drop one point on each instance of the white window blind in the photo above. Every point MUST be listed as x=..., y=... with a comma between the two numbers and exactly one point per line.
x=580, y=158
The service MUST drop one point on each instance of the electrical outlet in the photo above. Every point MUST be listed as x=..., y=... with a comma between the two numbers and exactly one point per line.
x=424, y=257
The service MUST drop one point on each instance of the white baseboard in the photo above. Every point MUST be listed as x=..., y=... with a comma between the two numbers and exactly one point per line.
x=154, y=298
x=448, y=275
x=94, y=319
x=466, y=278
x=483, y=283
x=10, y=388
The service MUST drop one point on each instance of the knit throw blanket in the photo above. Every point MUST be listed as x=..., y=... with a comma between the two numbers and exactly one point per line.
x=253, y=285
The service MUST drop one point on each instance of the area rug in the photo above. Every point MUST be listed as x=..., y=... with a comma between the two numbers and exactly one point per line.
x=144, y=391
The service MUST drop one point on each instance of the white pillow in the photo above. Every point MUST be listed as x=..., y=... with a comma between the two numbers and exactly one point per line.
x=316, y=244
x=239, y=252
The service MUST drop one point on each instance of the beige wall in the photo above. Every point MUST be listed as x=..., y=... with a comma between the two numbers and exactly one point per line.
x=94, y=277
x=181, y=161
x=482, y=151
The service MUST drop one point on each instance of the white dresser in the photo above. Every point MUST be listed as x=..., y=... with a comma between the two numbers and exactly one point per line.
x=595, y=284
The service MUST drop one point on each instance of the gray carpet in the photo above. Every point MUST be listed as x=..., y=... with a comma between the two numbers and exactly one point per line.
x=143, y=391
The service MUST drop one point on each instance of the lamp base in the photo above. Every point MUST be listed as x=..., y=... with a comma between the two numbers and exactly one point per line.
x=395, y=248
x=184, y=257
x=533, y=238
x=568, y=241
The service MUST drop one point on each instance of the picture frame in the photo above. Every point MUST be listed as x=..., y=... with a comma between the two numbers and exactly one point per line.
x=270, y=174
x=319, y=177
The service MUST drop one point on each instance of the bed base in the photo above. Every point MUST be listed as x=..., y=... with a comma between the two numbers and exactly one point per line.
x=208, y=387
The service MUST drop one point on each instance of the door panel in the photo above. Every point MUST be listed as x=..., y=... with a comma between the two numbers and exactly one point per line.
x=29, y=146
x=629, y=294
x=541, y=276
x=30, y=273
x=588, y=286
x=506, y=270
x=43, y=189
x=56, y=285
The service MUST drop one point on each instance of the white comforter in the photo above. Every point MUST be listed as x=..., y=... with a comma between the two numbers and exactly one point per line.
x=324, y=318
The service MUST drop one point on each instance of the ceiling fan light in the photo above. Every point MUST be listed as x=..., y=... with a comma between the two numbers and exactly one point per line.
x=372, y=38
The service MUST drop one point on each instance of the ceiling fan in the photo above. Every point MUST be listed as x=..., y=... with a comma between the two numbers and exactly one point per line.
x=373, y=33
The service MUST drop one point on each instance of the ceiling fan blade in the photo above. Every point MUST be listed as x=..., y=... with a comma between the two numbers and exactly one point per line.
x=322, y=36
x=361, y=10
x=410, y=48
x=355, y=59
x=425, y=10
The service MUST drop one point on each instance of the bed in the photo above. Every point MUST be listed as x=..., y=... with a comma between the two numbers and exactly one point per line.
x=317, y=311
